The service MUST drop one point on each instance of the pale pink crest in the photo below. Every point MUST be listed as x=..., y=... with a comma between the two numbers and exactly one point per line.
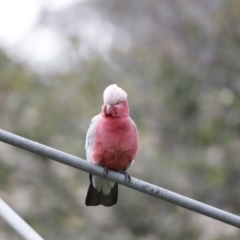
x=114, y=94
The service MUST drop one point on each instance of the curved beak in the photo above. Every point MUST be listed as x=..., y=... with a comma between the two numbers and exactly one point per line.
x=108, y=108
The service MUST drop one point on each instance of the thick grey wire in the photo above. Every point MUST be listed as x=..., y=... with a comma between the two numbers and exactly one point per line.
x=17, y=223
x=136, y=184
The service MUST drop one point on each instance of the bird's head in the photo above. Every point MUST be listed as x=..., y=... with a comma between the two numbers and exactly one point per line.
x=115, y=102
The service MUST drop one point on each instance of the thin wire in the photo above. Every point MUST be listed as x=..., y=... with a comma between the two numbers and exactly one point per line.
x=136, y=184
x=17, y=223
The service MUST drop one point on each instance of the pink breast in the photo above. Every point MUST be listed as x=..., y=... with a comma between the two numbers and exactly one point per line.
x=115, y=146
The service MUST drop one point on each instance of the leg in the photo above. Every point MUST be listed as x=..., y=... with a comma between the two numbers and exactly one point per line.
x=127, y=177
x=125, y=172
x=105, y=171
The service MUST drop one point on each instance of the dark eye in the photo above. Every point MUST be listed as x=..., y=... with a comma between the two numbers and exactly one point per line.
x=117, y=103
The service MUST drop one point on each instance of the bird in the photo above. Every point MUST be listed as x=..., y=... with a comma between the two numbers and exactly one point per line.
x=111, y=142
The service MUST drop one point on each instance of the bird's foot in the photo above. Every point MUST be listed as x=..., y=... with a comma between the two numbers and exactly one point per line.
x=127, y=178
x=105, y=171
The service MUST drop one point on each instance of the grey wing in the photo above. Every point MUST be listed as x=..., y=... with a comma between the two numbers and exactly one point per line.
x=134, y=124
x=91, y=135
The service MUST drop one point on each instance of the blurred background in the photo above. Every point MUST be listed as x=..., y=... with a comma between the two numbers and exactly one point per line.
x=179, y=62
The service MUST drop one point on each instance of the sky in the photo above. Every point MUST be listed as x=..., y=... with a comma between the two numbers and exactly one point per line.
x=39, y=46
x=17, y=19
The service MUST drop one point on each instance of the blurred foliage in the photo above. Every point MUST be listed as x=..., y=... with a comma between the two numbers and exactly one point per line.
x=179, y=63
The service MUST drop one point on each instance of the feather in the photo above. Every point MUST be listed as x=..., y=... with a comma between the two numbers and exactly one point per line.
x=95, y=197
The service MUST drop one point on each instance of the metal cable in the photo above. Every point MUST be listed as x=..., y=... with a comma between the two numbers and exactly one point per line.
x=136, y=184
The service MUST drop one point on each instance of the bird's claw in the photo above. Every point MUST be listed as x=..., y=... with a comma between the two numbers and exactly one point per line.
x=105, y=171
x=127, y=178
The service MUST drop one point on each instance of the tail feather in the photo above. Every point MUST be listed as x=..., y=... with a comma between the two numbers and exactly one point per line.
x=95, y=198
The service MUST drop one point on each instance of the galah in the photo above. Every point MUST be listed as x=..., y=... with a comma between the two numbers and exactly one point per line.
x=111, y=142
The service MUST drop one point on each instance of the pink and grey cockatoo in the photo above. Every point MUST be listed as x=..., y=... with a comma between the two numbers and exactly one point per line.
x=111, y=142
